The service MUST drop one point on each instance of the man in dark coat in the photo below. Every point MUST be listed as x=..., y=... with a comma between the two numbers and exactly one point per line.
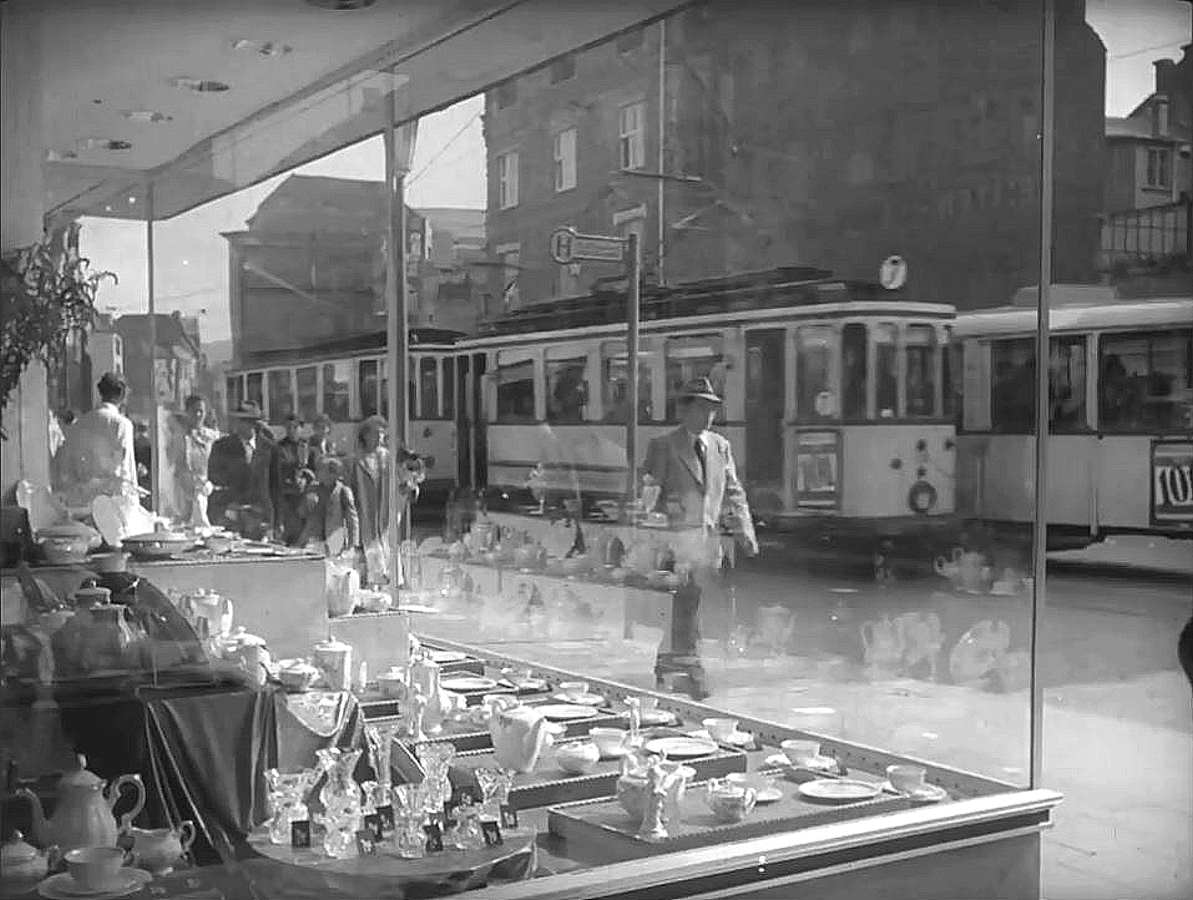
x=240, y=469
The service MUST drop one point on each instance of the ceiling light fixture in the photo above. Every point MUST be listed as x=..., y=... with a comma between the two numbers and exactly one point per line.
x=146, y=116
x=342, y=5
x=198, y=85
x=265, y=48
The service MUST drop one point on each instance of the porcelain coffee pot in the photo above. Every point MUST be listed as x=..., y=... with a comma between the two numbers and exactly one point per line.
x=84, y=815
x=520, y=735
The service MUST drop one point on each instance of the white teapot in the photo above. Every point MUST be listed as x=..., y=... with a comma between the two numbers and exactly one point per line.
x=520, y=735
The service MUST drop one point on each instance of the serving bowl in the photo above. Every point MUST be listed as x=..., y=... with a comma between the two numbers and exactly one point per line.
x=64, y=551
x=158, y=544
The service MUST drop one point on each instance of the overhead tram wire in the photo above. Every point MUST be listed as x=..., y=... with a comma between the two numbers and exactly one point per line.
x=439, y=153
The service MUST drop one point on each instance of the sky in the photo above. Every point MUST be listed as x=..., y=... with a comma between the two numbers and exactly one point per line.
x=191, y=271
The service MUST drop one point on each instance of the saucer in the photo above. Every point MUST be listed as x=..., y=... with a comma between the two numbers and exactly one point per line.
x=580, y=699
x=929, y=793
x=64, y=887
x=839, y=790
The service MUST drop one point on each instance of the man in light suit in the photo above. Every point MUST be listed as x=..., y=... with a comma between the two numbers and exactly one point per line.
x=702, y=495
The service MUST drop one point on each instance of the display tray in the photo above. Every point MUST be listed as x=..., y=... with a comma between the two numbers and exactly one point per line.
x=474, y=697
x=467, y=736
x=549, y=785
x=600, y=829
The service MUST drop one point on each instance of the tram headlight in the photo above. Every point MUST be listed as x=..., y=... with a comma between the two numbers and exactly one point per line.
x=922, y=497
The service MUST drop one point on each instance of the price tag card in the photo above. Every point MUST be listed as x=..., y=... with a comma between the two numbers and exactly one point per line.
x=366, y=844
x=491, y=829
x=434, y=835
x=372, y=824
x=509, y=816
x=300, y=834
x=386, y=815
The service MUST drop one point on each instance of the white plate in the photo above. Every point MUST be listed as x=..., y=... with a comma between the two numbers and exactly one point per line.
x=565, y=712
x=929, y=793
x=448, y=656
x=771, y=795
x=468, y=683
x=681, y=747
x=579, y=699
x=839, y=790
x=64, y=887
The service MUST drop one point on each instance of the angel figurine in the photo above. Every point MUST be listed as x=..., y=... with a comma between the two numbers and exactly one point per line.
x=537, y=482
x=654, y=826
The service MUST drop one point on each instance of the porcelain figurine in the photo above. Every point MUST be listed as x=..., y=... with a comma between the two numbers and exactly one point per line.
x=654, y=827
x=83, y=816
x=633, y=785
x=425, y=678
x=882, y=646
x=520, y=735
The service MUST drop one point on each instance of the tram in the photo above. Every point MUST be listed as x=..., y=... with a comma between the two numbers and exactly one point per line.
x=347, y=381
x=1120, y=444
x=838, y=397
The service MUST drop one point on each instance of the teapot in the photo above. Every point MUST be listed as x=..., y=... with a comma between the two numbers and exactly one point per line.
x=21, y=862
x=520, y=735
x=83, y=816
x=949, y=568
x=250, y=651
x=158, y=849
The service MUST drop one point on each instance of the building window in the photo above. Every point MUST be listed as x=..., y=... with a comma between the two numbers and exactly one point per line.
x=565, y=159
x=630, y=40
x=510, y=256
x=563, y=68
x=631, y=136
x=507, y=180
x=1159, y=168
x=506, y=94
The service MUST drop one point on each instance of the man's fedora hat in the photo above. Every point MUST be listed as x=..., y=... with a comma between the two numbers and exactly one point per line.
x=699, y=389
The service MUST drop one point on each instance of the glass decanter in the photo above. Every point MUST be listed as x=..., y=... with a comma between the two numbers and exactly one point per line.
x=466, y=834
x=287, y=801
x=436, y=759
x=495, y=787
x=409, y=839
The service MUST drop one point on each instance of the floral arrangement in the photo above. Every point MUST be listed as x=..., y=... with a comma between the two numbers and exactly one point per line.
x=49, y=294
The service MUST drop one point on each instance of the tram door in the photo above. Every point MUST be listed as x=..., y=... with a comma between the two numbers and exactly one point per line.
x=473, y=450
x=766, y=389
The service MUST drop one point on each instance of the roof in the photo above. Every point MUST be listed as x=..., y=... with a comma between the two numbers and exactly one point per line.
x=1082, y=316
x=306, y=203
x=172, y=331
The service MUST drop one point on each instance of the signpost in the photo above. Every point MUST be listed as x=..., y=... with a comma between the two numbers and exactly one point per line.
x=568, y=246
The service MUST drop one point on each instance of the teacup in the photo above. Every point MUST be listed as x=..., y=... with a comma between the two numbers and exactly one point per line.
x=800, y=752
x=95, y=869
x=573, y=690
x=609, y=741
x=906, y=779
x=759, y=781
x=729, y=802
x=720, y=729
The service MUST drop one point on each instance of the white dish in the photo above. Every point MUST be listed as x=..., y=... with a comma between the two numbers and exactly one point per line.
x=681, y=747
x=565, y=712
x=839, y=790
x=447, y=656
x=64, y=887
x=579, y=699
x=657, y=717
x=928, y=793
x=770, y=795
x=468, y=683
x=739, y=739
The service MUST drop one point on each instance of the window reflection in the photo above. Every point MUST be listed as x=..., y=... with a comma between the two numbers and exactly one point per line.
x=921, y=370
x=1146, y=381
x=567, y=389
x=853, y=371
x=615, y=384
x=336, y=391
x=814, y=356
x=886, y=375
x=307, y=379
x=515, y=388
x=689, y=358
x=281, y=395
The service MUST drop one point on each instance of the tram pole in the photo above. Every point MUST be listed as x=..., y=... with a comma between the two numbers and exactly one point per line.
x=1043, y=374
x=633, y=303
x=397, y=338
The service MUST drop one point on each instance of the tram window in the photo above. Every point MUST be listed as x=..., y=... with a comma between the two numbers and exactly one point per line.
x=567, y=389
x=1146, y=381
x=699, y=356
x=308, y=392
x=368, y=379
x=428, y=388
x=1012, y=386
x=853, y=371
x=814, y=359
x=235, y=391
x=616, y=388
x=886, y=373
x=281, y=395
x=255, y=389
x=921, y=370
x=515, y=392
x=335, y=391
x=1066, y=388
x=449, y=387
x=951, y=361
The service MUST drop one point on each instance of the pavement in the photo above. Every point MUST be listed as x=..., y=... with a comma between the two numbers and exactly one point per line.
x=1133, y=553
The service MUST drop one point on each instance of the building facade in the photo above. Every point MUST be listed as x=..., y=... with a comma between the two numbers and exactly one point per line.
x=310, y=267
x=174, y=370
x=831, y=135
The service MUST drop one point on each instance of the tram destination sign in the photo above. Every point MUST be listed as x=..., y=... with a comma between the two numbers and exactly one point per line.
x=568, y=246
x=1172, y=483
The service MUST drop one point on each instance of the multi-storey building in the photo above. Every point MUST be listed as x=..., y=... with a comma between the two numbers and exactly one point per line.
x=311, y=266
x=831, y=135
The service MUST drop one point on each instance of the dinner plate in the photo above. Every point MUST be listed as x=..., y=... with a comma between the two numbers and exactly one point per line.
x=839, y=790
x=64, y=887
x=468, y=683
x=579, y=699
x=929, y=793
x=448, y=656
x=565, y=712
x=681, y=747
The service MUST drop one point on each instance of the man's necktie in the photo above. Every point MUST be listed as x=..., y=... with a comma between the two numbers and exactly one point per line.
x=699, y=446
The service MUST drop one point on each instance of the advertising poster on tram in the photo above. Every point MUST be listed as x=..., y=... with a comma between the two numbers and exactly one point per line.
x=817, y=461
x=1172, y=483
